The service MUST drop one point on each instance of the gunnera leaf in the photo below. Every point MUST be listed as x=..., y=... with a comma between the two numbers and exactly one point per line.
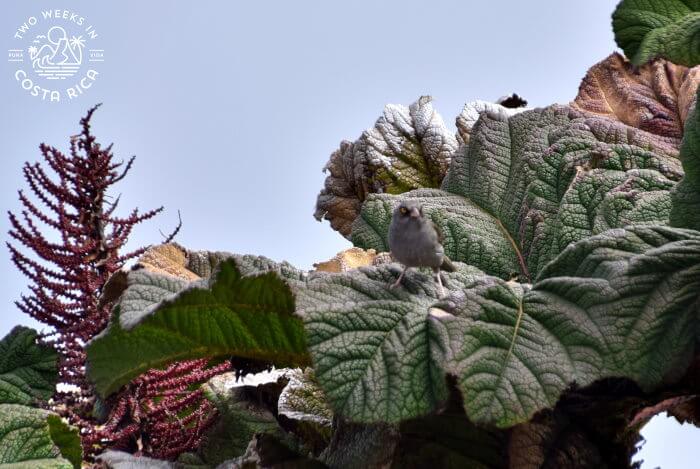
x=471, y=113
x=303, y=407
x=686, y=195
x=622, y=303
x=31, y=436
x=647, y=29
x=242, y=414
x=619, y=304
x=408, y=148
x=528, y=185
x=26, y=439
x=245, y=309
x=655, y=97
x=372, y=345
x=27, y=370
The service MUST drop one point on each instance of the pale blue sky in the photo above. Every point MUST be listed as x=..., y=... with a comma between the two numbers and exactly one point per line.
x=232, y=108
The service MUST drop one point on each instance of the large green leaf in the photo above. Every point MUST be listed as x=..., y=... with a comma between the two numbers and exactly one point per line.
x=623, y=303
x=245, y=309
x=686, y=195
x=528, y=185
x=372, y=346
x=408, y=147
x=619, y=304
x=30, y=436
x=27, y=439
x=27, y=369
x=647, y=29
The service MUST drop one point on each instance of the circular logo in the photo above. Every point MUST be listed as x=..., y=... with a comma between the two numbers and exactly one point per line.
x=56, y=55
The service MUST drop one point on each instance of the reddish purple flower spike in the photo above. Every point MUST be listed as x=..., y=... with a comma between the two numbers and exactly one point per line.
x=163, y=410
x=162, y=413
x=68, y=278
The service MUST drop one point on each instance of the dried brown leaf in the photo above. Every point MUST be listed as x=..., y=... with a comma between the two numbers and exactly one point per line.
x=655, y=97
x=347, y=260
x=169, y=259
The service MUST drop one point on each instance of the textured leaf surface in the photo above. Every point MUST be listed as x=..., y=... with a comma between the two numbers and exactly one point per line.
x=408, y=148
x=303, y=405
x=371, y=345
x=686, y=195
x=655, y=97
x=472, y=111
x=29, y=436
x=347, y=260
x=242, y=414
x=244, y=309
x=528, y=185
x=619, y=304
x=25, y=439
x=647, y=29
x=471, y=234
x=27, y=369
x=302, y=399
x=623, y=303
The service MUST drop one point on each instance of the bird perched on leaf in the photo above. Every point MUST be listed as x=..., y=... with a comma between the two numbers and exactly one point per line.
x=415, y=241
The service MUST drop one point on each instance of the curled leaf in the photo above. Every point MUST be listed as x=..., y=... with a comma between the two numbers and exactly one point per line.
x=169, y=259
x=528, y=185
x=647, y=29
x=655, y=97
x=471, y=113
x=408, y=148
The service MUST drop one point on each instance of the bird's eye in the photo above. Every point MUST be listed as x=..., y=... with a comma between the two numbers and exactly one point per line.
x=403, y=210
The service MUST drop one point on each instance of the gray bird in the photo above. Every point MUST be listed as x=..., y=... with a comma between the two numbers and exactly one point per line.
x=415, y=241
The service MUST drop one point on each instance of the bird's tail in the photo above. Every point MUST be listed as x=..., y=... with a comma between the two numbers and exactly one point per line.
x=447, y=264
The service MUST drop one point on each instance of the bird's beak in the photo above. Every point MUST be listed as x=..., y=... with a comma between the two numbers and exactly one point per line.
x=415, y=213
